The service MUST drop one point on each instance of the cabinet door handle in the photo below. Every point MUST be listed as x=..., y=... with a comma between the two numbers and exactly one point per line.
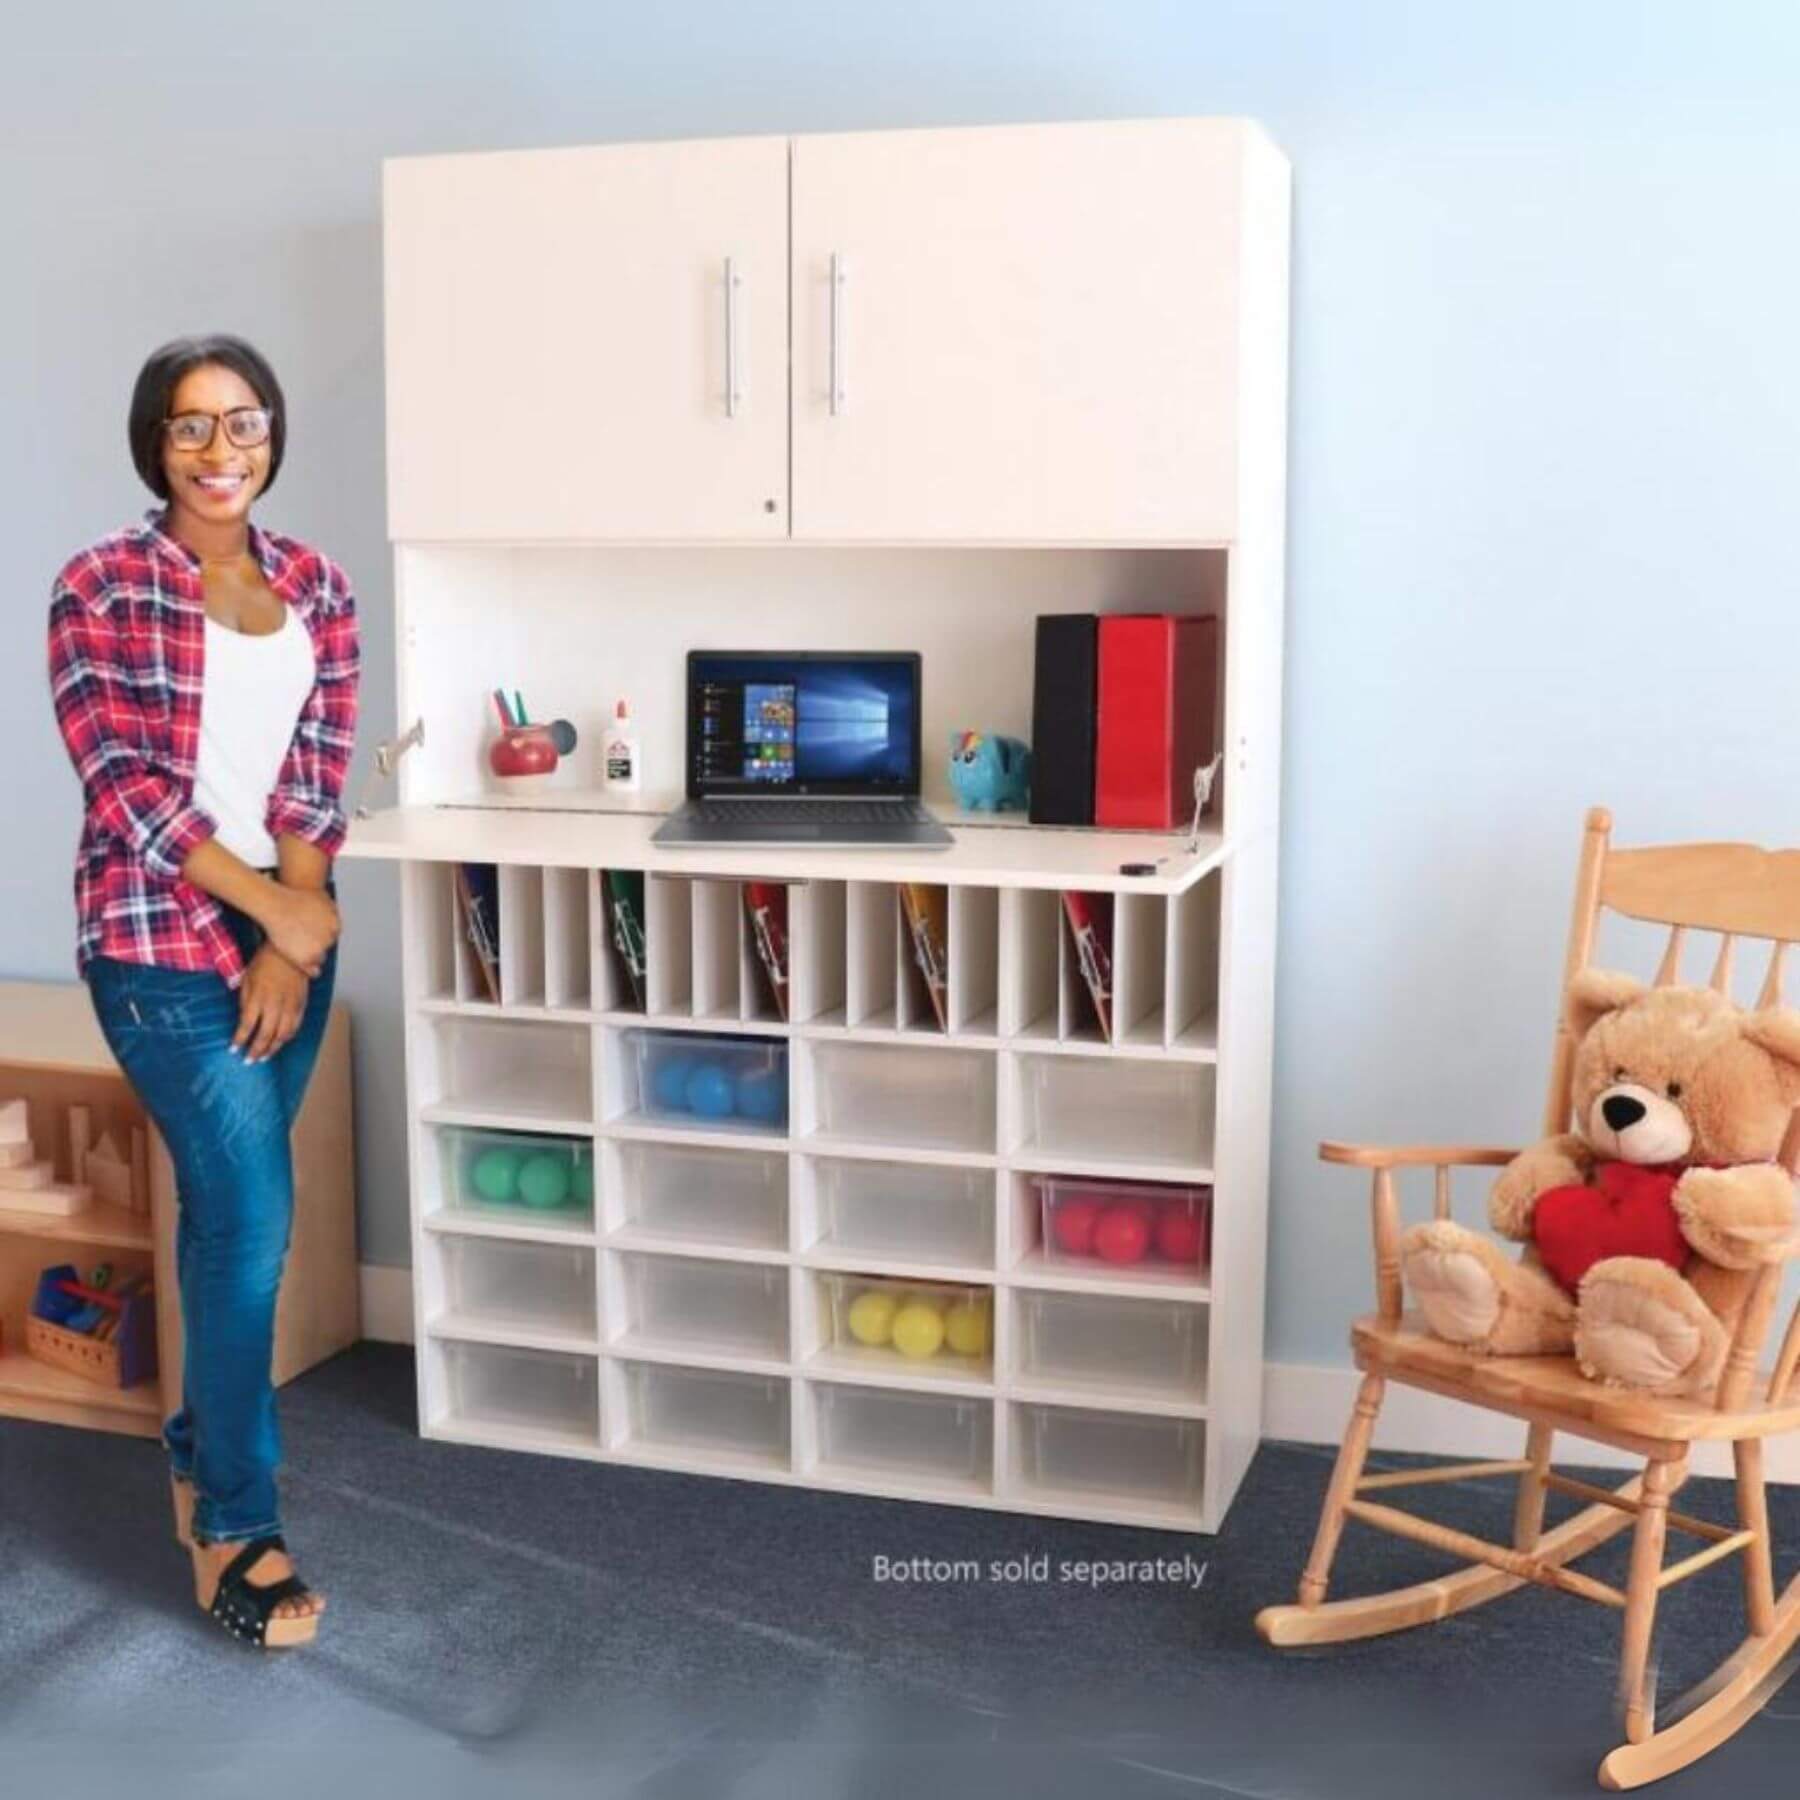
x=734, y=392
x=840, y=276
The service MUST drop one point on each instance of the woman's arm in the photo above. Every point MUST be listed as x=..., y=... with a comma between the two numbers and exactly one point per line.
x=102, y=723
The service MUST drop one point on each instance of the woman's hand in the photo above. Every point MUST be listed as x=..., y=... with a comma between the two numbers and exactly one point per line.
x=271, y=1004
x=302, y=924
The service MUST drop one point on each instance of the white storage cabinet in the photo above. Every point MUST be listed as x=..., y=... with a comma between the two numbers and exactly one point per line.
x=876, y=391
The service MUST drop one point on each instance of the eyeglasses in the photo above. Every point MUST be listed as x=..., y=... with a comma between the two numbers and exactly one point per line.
x=245, y=427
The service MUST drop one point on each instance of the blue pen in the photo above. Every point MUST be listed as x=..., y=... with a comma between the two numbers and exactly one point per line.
x=519, y=707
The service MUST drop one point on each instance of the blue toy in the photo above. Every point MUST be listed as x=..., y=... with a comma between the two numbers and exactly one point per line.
x=761, y=1094
x=709, y=1091
x=989, y=773
x=669, y=1085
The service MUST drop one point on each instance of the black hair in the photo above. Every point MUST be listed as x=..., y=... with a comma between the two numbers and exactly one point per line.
x=161, y=375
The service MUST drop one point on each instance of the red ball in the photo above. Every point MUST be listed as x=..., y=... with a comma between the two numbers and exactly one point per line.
x=1178, y=1236
x=1122, y=1236
x=1072, y=1223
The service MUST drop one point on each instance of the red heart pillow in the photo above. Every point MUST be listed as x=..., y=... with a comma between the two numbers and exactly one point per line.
x=1630, y=1211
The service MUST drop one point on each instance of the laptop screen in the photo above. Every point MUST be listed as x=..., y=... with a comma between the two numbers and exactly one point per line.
x=804, y=722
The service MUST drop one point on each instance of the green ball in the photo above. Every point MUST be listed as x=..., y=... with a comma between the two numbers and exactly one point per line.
x=581, y=1183
x=544, y=1179
x=495, y=1173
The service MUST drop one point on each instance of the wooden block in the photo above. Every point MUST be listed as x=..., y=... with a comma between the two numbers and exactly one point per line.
x=27, y=1176
x=13, y=1156
x=58, y=1198
x=110, y=1178
x=15, y=1124
x=140, y=1171
x=81, y=1134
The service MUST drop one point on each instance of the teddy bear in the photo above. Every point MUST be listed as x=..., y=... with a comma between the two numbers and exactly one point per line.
x=1645, y=1226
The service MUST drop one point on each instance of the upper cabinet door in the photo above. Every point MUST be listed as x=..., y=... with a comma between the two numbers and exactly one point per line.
x=566, y=358
x=1024, y=333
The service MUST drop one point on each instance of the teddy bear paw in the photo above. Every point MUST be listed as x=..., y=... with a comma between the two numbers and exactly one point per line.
x=1454, y=1287
x=1641, y=1325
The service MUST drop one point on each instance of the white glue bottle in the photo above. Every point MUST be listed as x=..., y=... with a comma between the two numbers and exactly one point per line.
x=619, y=753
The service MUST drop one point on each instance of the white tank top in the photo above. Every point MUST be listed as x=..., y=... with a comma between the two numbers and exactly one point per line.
x=250, y=702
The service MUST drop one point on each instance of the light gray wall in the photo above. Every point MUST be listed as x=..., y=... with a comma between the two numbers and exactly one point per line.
x=1546, y=427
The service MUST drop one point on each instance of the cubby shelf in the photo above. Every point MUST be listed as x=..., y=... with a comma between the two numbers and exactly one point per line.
x=900, y=1155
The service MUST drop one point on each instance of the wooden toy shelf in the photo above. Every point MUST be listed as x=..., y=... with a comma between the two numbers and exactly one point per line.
x=53, y=1057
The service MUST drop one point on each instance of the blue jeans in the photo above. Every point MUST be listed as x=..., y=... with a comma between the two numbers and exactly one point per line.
x=226, y=1123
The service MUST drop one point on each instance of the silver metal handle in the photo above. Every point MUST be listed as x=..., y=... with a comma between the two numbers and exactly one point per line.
x=734, y=393
x=840, y=274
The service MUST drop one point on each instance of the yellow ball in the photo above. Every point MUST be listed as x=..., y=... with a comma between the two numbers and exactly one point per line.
x=871, y=1316
x=966, y=1328
x=918, y=1329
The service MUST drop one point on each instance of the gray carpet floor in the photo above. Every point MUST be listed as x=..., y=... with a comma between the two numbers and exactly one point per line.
x=519, y=1625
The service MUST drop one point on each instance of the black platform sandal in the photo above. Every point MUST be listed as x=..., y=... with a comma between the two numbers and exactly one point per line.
x=247, y=1611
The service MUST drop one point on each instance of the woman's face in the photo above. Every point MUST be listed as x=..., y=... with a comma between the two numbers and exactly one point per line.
x=218, y=483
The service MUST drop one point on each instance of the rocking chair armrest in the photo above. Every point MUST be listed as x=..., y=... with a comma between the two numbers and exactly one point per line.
x=1414, y=1156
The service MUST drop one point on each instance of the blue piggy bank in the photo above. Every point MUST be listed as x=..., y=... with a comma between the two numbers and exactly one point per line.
x=988, y=773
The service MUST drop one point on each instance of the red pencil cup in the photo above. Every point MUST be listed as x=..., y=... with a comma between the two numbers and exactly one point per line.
x=523, y=756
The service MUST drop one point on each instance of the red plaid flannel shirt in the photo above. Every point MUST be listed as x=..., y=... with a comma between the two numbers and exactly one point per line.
x=127, y=654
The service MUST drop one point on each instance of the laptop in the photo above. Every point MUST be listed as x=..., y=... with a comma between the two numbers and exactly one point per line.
x=816, y=749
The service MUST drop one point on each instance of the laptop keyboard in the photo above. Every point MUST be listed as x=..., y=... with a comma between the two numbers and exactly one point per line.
x=811, y=812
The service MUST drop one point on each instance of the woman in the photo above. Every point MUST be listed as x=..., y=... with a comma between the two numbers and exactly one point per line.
x=204, y=674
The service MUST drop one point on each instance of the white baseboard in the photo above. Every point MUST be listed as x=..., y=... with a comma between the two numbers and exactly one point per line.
x=387, y=1304
x=1302, y=1402
x=1310, y=1404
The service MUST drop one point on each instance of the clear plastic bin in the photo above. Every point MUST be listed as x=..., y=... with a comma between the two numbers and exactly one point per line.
x=1155, y=1345
x=517, y=1172
x=490, y=1067
x=911, y=1325
x=1123, y=1455
x=930, y=1436
x=710, y=1083
x=536, y=1390
x=1133, y=1108
x=1125, y=1224
x=930, y=1099
x=915, y=1210
x=702, y=1195
x=690, y=1303
x=708, y=1410
x=494, y=1282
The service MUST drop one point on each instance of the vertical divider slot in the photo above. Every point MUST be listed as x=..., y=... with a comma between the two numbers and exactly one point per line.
x=1079, y=1018
x=767, y=914
x=617, y=943
x=922, y=957
x=714, y=911
x=432, y=927
x=871, y=953
x=1192, y=1019
x=1140, y=933
x=1030, y=922
x=568, y=980
x=816, y=952
x=669, y=944
x=476, y=883
x=974, y=959
x=521, y=935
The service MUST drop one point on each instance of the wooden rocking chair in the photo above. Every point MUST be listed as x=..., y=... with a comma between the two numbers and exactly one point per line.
x=1738, y=891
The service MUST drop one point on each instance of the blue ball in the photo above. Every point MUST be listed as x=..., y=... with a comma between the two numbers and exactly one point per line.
x=669, y=1082
x=761, y=1094
x=709, y=1091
